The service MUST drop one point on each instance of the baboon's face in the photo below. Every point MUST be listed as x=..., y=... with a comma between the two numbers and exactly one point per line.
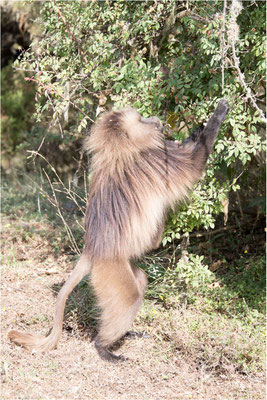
x=154, y=121
x=141, y=131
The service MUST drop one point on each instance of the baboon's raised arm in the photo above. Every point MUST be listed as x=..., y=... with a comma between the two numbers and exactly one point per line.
x=204, y=137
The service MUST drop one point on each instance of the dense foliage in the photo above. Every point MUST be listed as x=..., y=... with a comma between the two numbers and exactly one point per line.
x=166, y=58
x=17, y=106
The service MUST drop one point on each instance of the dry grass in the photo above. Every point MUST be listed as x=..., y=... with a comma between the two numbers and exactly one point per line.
x=167, y=365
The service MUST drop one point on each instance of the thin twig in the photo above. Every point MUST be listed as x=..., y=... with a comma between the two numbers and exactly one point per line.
x=70, y=31
x=85, y=185
x=41, y=144
x=83, y=79
x=57, y=119
x=69, y=232
x=75, y=179
x=239, y=176
x=72, y=195
x=53, y=90
x=55, y=204
x=243, y=82
x=223, y=40
x=240, y=205
x=201, y=234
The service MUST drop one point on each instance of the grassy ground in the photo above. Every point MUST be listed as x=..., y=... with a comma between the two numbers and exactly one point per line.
x=205, y=317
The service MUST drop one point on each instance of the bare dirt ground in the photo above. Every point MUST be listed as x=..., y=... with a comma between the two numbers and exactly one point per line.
x=74, y=370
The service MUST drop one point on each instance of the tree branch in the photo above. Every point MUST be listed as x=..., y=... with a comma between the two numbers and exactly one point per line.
x=52, y=89
x=244, y=84
x=233, y=35
x=70, y=32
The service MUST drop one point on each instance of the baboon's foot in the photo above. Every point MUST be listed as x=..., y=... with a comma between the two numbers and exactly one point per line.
x=106, y=354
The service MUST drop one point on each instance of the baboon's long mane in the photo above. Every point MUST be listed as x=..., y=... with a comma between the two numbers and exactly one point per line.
x=132, y=187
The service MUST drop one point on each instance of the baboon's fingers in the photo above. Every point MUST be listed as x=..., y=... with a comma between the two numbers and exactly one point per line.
x=132, y=334
x=222, y=108
x=215, y=121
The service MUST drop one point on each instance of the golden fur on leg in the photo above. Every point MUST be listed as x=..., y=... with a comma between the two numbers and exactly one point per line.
x=119, y=299
x=140, y=278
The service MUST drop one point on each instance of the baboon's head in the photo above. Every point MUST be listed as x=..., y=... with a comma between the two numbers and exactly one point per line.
x=124, y=132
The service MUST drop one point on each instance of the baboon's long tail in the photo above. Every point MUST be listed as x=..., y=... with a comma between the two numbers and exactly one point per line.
x=42, y=344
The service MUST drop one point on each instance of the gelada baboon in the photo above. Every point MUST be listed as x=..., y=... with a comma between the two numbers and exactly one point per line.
x=136, y=177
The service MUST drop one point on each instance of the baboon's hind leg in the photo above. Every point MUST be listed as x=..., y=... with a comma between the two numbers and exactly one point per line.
x=141, y=278
x=119, y=291
x=141, y=281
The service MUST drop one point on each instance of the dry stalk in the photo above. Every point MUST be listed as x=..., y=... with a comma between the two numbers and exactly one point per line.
x=73, y=242
x=68, y=191
x=70, y=194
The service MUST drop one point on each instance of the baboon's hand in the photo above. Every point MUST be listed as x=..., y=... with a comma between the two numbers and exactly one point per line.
x=222, y=108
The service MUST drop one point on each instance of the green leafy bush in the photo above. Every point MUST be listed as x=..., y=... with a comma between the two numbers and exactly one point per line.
x=17, y=105
x=190, y=274
x=164, y=59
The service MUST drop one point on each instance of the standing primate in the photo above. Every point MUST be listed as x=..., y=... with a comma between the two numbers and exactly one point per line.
x=136, y=177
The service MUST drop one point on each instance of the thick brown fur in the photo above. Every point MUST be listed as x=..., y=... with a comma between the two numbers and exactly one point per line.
x=136, y=177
